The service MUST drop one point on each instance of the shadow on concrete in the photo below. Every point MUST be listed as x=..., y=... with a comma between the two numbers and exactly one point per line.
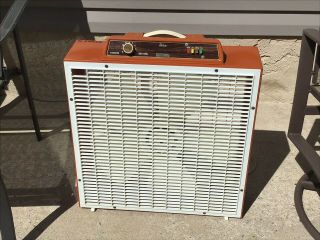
x=5, y=109
x=58, y=195
x=61, y=195
x=41, y=173
x=44, y=44
x=39, y=229
x=269, y=149
x=38, y=173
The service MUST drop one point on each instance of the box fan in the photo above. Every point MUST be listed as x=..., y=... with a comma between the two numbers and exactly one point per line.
x=162, y=122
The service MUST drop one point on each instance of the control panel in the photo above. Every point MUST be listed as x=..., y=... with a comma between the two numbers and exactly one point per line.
x=163, y=49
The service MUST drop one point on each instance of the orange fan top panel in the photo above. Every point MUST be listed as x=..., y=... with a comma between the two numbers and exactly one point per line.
x=193, y=50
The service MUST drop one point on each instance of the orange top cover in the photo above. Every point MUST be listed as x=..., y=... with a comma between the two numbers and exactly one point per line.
x=229, y=56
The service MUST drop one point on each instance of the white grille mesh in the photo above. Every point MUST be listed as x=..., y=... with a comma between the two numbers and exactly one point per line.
x=162, y=141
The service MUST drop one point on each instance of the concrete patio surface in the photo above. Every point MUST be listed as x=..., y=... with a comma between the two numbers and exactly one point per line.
x=40, y=175
x=272, y=215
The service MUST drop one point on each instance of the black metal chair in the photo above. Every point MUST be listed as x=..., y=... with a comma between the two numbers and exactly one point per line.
x=8, y=25
x=307, y=83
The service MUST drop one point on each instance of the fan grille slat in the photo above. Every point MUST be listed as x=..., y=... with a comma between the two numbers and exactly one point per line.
x=162, y=140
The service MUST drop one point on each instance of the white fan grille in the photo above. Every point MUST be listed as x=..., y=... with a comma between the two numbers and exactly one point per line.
x=162, y=141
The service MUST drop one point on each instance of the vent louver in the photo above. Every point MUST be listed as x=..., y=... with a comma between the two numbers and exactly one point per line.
x=155, y=140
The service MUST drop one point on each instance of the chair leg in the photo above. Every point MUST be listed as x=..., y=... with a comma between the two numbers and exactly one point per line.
x=6, y=221
x=27, y=83
x=1, y=64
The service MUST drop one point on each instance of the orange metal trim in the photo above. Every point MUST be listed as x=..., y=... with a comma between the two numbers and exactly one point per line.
x=230, y=56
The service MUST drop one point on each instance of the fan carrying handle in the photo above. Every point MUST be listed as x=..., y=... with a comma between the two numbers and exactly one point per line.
x=164, y=32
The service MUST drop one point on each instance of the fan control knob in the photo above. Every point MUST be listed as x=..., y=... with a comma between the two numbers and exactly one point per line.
x=128, y=48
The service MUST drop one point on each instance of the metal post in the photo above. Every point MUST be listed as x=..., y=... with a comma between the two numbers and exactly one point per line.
x=6, y=221
x=1, y=64
x=27, y=83
x=302, y=86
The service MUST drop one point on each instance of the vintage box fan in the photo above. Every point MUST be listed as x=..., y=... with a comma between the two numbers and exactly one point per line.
x=162, y=122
